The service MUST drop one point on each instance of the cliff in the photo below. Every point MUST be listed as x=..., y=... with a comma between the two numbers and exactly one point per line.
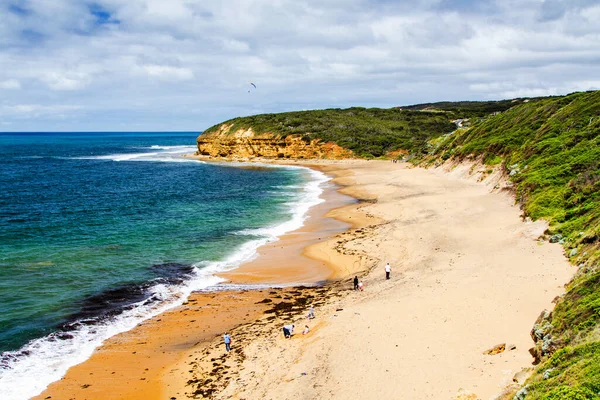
x=340, y=133
x=244, y=143
x=331, y=133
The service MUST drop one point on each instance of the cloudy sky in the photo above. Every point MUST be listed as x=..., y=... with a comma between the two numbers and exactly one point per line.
x=135, y=65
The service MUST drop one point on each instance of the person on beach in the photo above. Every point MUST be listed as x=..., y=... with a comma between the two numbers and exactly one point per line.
x=227, y=340
x=388, y=270
x=288, y=331
x=356, y=283
x=306, y=330
x=360, y=286
x=311, y=312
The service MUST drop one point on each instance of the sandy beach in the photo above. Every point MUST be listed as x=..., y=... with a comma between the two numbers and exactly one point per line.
x=467, y=274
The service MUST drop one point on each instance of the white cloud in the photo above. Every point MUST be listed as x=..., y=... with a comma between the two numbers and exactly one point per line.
x=235, y=45
x=168, y=73
x=66, y=81
x=197, y=57
x=10, y=84
x=37, y=110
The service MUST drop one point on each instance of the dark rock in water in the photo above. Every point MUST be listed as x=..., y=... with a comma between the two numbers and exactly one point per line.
x=172, y=273
x=63, y=336
x=106, y=304
x=112, y=302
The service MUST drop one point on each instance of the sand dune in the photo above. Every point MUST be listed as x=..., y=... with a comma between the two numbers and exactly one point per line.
x=467, y=274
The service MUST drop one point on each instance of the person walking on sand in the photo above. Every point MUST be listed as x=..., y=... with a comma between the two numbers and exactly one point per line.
x=227, y=340
x=356, y=283
x=311, y=312
x=287, y=331
x=388, y=270
x=360, y=286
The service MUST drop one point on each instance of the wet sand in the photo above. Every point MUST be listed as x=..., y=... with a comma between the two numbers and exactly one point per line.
x=138, y=364
x=286, y=260
x=467, y=274
x=131, y=365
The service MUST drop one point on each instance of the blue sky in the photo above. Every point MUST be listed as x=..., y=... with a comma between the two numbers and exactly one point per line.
x=123, y=65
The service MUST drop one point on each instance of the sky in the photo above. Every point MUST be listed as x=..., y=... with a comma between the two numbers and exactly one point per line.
x=184, y=65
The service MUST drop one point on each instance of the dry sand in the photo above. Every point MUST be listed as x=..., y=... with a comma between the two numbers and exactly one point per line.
x=467, y=274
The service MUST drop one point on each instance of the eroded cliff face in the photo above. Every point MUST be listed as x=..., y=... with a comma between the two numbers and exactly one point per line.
x=247, y=144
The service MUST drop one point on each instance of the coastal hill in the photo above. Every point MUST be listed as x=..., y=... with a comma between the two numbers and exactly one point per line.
x=548, y=149
x=333, y=133
x=343, y=133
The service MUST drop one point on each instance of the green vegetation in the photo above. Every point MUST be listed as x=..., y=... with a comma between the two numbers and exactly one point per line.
x=372, y=132
x=470, y=109
x=579, y=311
x=550, y=148
x=368, y=132
x=571, y=373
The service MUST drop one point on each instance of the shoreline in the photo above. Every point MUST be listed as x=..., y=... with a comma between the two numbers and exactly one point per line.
x=467, y=273
x=318, y=228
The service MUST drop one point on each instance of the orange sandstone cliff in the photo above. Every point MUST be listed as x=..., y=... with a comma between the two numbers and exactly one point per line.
x=244, y=143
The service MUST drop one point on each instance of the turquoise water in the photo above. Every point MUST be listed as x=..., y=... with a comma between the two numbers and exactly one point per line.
x=101, y=230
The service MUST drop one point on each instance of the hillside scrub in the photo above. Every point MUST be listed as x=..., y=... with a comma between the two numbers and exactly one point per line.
x=550, y=148
x=470, y=109
x=368, y=132
x=571, y=373
x=371, y=132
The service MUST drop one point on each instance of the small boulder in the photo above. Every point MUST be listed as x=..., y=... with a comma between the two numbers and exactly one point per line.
x=573, y=253
x=556, y=238
x=463, y=394
x=521, y=376
x=547, y=373
x=497, y=349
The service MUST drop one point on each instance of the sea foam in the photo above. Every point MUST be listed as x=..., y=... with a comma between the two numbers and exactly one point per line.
x=159, y=153
x=28, y=371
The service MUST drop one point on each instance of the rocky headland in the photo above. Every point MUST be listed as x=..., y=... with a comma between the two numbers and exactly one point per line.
x=244, y=143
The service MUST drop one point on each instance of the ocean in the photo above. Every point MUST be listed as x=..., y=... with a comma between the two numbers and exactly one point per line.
x=100, y=231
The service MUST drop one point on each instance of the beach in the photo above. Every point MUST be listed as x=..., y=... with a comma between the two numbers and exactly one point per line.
x=467, y=274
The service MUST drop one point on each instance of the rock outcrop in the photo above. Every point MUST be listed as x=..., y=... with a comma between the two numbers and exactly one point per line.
x=244, y=143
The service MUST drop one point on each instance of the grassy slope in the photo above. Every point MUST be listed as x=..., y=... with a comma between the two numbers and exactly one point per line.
x=470, y=109
x=551, y=148
x=370, y=132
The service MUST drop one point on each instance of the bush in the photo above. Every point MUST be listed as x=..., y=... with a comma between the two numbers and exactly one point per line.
x=569, y=393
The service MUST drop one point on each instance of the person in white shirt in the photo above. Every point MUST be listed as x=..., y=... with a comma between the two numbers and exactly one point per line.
x=227, y=340
x=311, y=312
x=288, y=331
x=388, y=270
